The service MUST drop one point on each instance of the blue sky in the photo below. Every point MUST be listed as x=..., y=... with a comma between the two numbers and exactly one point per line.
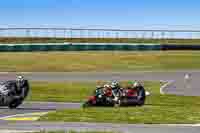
x=125, y=14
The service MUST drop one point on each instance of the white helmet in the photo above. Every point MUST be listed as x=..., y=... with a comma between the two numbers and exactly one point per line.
x=114, y=84
x=20, y=79
x=106, y=86
x=136, y=84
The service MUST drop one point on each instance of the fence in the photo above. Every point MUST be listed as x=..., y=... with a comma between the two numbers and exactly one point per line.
x=98, y=33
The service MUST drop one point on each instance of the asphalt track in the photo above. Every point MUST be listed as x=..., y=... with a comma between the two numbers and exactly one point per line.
x=177, y=86
x=123, y=128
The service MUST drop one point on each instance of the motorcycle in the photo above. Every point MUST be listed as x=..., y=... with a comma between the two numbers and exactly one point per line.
x=124, y=97
x=101, y=97
x=135, y=97
x=12, y=94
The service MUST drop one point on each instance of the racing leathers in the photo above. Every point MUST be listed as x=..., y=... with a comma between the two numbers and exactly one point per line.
x=140, y=92
x=15, y=89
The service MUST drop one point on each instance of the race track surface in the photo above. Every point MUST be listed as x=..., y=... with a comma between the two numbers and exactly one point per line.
x=177, y=86
x=31, y=107
x=123, y=128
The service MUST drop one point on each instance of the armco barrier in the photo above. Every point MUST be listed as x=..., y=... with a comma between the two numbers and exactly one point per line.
x=180, y=47
x=64, y=47
x=93, y=47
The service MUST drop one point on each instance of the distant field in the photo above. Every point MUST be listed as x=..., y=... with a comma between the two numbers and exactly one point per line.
x=98, y=61
x=98, y=40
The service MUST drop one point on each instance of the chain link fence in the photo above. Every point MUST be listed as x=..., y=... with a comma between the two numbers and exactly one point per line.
x=98, y=33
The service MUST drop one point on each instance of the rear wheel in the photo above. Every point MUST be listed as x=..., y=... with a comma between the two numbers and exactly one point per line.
x=86, y=104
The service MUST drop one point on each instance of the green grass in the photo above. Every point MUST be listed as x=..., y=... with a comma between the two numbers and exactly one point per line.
x=67, y=91
x=98, y=61
x=61, y=91
x=98, y=40
x=159, y=109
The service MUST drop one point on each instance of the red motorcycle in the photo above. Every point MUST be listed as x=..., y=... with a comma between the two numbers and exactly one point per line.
x=134, y=97
x=124, y=97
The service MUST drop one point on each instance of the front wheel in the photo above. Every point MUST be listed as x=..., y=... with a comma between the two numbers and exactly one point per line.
x=14, y=104
x=118, y=103
x=141, y=100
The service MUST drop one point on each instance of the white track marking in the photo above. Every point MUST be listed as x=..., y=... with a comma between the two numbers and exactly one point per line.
x=15, y=131
x=165, y=86
x=24, y=115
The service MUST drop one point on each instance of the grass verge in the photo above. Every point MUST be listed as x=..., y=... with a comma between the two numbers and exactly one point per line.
x=159, y=109
x=98, y=61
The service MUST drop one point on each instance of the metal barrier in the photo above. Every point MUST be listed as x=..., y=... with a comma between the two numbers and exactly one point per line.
x=75, y=47
x=93, y=47
x=99, y=33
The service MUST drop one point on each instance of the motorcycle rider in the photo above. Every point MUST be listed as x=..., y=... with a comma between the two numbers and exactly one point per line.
x=14, y=85
x=116, y=90
x=107, y=89
x=99, y=87
x=140, y=89
x=13, y=92
x=137, y=86
x=130, y=85
x=19, y=89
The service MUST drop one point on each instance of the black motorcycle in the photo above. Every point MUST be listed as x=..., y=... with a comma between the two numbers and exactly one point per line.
x=12, y=93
